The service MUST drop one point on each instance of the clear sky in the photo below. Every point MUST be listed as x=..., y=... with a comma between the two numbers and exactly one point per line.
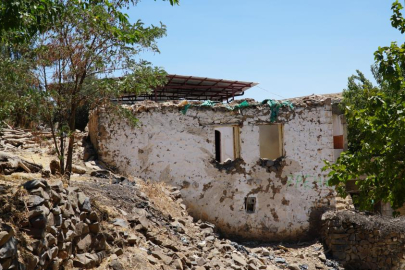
x=292, y=48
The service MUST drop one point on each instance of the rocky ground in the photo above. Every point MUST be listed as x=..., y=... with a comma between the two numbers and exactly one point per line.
x=106, y=221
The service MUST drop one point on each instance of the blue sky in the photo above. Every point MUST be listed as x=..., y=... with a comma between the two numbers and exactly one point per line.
x=292, y=48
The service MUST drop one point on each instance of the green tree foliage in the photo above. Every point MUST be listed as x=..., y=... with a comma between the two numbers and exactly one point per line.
x=83, y=46
x=359, y=90
x=75, y=48
x=25, y=18
x=376, y=120
x=17, y=83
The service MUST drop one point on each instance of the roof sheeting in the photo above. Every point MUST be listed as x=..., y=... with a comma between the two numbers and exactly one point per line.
x=193, y=88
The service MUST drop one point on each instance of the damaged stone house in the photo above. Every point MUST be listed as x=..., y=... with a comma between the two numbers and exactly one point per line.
x=253, y=169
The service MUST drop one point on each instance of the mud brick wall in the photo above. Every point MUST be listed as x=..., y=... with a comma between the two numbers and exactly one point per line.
x=364, y=242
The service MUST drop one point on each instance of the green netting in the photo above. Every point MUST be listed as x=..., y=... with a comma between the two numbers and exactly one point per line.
x=185, y=108
x=208, y=103
x=244, y=104
x=274, y=106
x=288, y=104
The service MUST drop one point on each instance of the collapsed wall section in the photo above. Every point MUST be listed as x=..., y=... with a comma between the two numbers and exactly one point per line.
x=244, y=193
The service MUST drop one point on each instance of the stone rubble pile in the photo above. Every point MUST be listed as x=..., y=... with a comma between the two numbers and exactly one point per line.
x=17, y=141
x=58, y=230
x=47, y=226
x=175, y=241
x=10, y=164
x=12, y=139
x=17, y=138
x=179, y=243
x=57, y=227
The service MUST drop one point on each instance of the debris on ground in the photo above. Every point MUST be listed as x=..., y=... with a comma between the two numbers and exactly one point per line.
x=104, y=220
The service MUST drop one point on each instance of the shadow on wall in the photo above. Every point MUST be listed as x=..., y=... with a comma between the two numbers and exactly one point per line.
x=315, y=222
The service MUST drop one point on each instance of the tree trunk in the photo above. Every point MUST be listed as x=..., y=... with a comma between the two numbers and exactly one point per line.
x=72, y=122
x=62, y=153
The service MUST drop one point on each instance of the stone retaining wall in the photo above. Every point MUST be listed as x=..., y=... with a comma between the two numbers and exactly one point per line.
x=360, y=241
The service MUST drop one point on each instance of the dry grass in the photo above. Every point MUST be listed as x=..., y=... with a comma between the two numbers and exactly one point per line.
x=19, y=178
x=104, y=212
x=133, y=258
x=155, y=191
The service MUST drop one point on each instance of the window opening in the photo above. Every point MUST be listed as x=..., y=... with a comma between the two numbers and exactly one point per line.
x=338, y=142
x=227, y=144
x=338, y=135
x=271, y=141
x=217, y=145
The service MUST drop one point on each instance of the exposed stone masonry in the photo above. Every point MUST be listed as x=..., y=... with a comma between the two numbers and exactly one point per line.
x=360, y=242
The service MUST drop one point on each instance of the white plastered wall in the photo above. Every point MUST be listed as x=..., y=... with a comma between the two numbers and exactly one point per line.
x=180, y=150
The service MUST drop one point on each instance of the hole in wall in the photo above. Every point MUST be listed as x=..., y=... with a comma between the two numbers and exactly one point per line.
x=250, y=204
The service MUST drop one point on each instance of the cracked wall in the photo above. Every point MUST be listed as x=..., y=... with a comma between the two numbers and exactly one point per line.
x=179, y=149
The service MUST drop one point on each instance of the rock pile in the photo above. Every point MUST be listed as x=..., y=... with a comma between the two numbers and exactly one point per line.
x=365, y=242
x=153, y=222
x=121, y=226
x=174, y=241
x=16, y=138
x=20, y=141
x=57, y=230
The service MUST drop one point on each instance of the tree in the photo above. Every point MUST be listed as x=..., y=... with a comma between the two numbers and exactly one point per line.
x=77, y=55
x=376, y=119
x=16, y=83
x=25, y=18
x=75, y=47
x=359, y=90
